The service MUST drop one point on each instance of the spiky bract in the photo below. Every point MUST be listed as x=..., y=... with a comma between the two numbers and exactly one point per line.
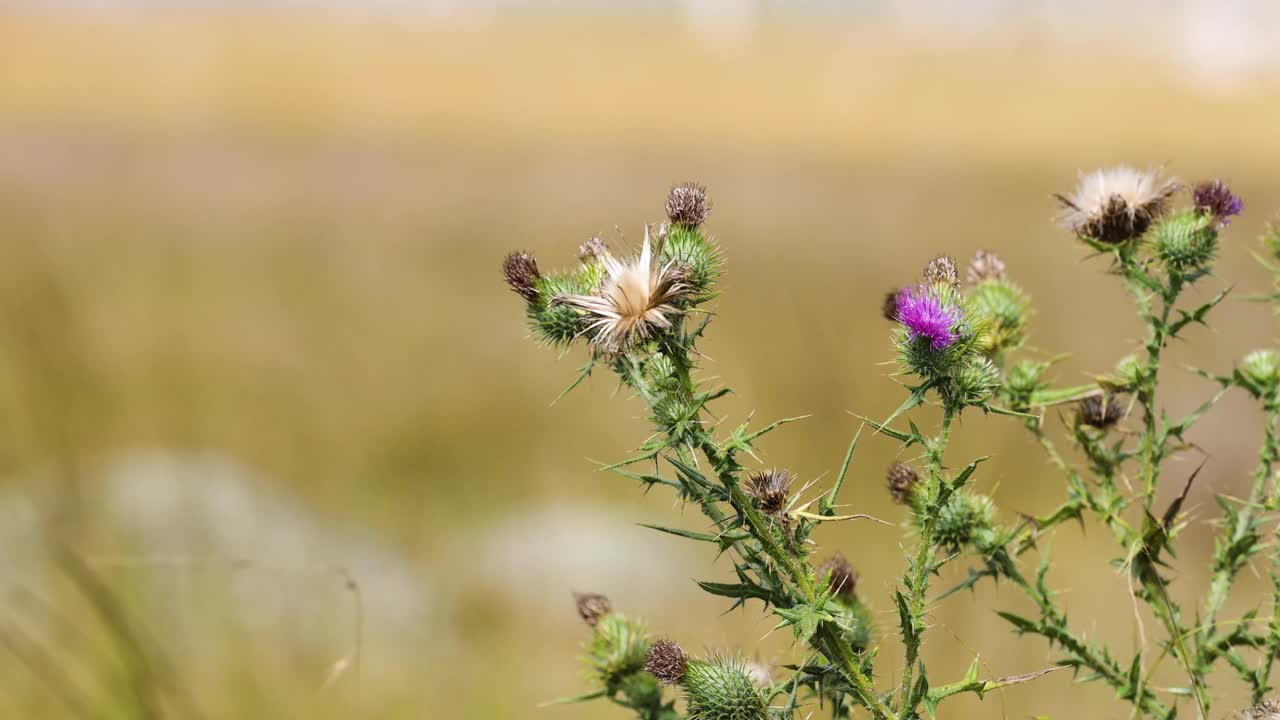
x=721, y=689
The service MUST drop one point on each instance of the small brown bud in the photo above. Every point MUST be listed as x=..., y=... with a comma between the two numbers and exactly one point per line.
x=985, y=265
x=688, y=204
x=592, y=607
x=1102, y=411
x=520, y=271
x=666, y=661
x=843, y=578
x=942, y=270
x=593, y=249
x=901, y=479
x=889, y=308
x=770, y=488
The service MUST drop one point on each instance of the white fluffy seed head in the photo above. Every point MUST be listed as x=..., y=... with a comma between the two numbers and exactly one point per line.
x=1116, y=204
x=635, y=300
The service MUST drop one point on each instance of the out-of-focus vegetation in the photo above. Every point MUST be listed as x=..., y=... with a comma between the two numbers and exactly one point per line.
x=258, y=368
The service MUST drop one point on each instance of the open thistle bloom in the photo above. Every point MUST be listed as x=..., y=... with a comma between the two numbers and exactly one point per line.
x=925, y=313
x=1115, y=205
x=1216, y=199
x=635, y=301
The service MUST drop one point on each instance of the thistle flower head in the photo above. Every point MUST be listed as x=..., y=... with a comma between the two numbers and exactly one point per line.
x=966, y=518
x=1216, y=200
x=889, y=308
x=634, y=302
x=721, y=689
x=770, y=489
x=592, y=607
x=1102, y=411
x=618, y=648
x=842, y=578
x=901, y=479
x=1260, y=370
x=1115, y=205
x=520, y=271
x=925, y=313
x=985, y=265
x=666, y=661
x=1266, y=710
x=942, y=270
x=687, y=204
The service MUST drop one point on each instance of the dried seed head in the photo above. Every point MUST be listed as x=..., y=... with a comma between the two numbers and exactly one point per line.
x=520, y=271
x=985, y=265
x=592, y=607
x=688, y=204
x=889, y=308
x=636, y=300
x=1216, y=199
x=942, y=270
x=1102, y=411
x=666, y=661
x=901, y=479
x=1115, y=205
x=593, y=249
x=770, y=488
x=843, y=578
x=1266, y=710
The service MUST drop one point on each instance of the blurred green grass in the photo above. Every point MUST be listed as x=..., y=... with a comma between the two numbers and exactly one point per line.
x=275, y=239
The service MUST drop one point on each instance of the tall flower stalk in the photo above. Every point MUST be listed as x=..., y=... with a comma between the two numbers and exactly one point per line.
x=641, y=316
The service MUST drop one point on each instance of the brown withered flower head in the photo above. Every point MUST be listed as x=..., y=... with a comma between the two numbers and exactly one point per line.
x=1102, y=411
x=592, y=249
x=890, y=306
x=1115, y=205
x=1266, y=710
x=635, y=301
x=770, y=489
x=520, y=271
x=688, y=204
x=666, y=661
x=843, y=578
x=942, y=270
x=985, y=265
x=592, y=607
x=901, y=479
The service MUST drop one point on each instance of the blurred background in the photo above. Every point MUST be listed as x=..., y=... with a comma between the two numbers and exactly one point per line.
x=259, y=372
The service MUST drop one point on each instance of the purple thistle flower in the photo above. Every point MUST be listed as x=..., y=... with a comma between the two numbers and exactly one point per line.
x=1216, y=199
x=924, y=314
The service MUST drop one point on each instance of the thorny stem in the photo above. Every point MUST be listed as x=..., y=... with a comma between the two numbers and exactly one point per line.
x=921, y=565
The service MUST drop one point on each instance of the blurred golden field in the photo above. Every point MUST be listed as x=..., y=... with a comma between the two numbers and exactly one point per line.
x=258, y=368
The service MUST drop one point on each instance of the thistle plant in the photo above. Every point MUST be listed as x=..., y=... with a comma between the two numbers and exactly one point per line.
x=959, y=346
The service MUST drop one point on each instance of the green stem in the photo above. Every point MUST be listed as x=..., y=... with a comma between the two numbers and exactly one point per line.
x=919, y=579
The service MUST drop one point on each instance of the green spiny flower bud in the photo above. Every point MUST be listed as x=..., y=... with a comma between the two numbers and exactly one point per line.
x=618, y=649
x=963, y=519
x=697, y=260
x=688, y=204
x=1186, y=242
x=1022, y=382
x=1128, y=372
x=1006, y=308
x=1261, y=369
x=667, y=662
x=520, y=271
x=1271, y=239
x=770, y=489
x=1102, y=411
x=721, y=689
x=855, y=621
x=902, y=480
x=942, y=270
x=592, y=607
x=973, y=383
